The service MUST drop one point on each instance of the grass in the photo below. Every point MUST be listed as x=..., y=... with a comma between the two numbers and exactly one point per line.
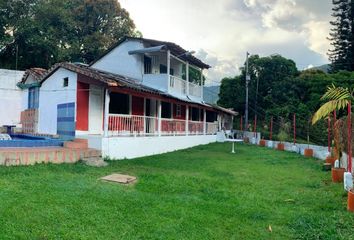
x=200, y=193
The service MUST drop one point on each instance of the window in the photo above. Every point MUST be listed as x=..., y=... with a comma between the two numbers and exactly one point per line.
x=33, y=97
x=66, y=82
x=147, y=65
x=178, y=110
x=166, y=110
x=119, y=103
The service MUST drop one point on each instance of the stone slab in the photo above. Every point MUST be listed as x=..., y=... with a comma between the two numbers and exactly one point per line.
x=119, y=178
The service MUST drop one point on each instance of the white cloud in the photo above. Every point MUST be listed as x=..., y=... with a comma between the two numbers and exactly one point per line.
x=222, y=31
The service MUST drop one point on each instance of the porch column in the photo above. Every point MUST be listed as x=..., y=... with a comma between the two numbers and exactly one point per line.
x=201, y=85
x=168, y=69
x=159, y=108
x=187, y=118
x=187, y=78
x=106, y=112
x=204, y=122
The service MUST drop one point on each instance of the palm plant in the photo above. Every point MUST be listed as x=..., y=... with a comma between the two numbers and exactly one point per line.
x=337, y=98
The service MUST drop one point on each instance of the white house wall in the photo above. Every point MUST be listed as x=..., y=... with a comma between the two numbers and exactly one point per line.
x=24, y=99
x=53, y=93
x=132, y=147
x=10, y=97
x=120, y=62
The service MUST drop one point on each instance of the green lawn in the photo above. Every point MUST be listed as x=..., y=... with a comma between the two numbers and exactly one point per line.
x=200, y=193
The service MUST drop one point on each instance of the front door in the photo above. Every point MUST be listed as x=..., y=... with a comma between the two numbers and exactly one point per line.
x=150, y=112
x=96, y=110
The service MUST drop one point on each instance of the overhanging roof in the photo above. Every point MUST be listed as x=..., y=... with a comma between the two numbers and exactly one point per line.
x=111, y=80
x=173, y=47
x=148, y=50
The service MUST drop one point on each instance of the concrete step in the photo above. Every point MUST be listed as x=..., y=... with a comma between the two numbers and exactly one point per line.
x=76, y=145
x=94, y=162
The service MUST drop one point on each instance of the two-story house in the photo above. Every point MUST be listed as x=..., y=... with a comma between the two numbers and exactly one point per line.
x=141, y=97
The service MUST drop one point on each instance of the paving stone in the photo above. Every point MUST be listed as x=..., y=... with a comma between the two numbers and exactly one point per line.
x=119, y=178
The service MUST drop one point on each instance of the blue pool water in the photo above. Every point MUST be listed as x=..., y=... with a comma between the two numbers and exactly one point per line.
x=22, y=140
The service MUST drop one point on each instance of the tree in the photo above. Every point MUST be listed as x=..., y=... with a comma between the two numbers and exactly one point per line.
x=342, y=36
x=43, y=32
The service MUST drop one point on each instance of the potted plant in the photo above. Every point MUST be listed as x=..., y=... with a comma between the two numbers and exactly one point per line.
x=283, y=134
x=350, y=202
x=338, y=171
x=333, y=156
x=308, y=152
x=262, y=142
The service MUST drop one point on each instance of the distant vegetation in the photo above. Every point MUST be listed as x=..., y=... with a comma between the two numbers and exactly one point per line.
x=44, y=32
x=282, y=91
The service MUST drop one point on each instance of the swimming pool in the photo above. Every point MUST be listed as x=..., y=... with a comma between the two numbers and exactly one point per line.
x=24, y=140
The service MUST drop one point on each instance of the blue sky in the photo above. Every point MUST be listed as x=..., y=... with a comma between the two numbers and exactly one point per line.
x=222, y=31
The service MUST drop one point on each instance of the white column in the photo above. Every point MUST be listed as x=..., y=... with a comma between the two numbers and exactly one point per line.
x=187, y=78
x=168, y=69
x=201, y=84
x=204, y=122
x=145, y=116
x=187, y=118
x=159, y=108
x=106, y=112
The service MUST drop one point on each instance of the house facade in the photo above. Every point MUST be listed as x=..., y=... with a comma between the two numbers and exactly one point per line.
x=142, y=97
x=10, y=95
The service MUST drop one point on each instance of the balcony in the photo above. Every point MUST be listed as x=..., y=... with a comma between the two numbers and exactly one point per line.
x=173, y=85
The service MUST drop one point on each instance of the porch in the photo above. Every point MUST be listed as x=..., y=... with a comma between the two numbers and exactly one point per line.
x=131, y=115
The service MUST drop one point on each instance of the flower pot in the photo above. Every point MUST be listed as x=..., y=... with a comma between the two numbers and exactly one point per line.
x=308, y=152
x=350, y=203
x=262, y=143
x=337, y=174
x=280, y=146
x=246, y=140
x=331, y=159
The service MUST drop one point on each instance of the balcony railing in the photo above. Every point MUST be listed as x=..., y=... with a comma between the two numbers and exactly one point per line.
x=179, y=86
x=133, y=125
x=195, y=90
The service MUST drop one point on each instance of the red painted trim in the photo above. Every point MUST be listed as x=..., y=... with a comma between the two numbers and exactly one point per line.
x=82, y=101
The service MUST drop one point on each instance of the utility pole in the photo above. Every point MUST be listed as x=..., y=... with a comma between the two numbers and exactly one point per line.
x=248, y=78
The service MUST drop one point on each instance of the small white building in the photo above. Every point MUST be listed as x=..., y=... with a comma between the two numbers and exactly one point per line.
x=10, y=97
x=142, y=97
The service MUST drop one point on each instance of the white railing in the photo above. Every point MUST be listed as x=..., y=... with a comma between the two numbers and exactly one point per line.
x=128, y=125
x=133, y=125
x=195, y=90
x=173, y=126
x=195, y=128
x=178, y=85
x=211, y=127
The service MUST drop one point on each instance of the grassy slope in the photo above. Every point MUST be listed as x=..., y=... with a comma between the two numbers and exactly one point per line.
x=199, y=193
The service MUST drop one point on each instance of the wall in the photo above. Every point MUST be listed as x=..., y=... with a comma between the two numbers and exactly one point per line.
x=132, y=147
x=10, y=97
x=120, y=62
x=53, y=93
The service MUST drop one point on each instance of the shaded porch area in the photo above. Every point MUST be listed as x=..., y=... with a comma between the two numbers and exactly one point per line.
x=132, y=115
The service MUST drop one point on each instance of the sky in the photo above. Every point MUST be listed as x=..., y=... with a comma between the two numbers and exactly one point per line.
x=222, y=31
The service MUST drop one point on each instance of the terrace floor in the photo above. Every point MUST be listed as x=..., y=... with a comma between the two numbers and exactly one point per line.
x=200, y=193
